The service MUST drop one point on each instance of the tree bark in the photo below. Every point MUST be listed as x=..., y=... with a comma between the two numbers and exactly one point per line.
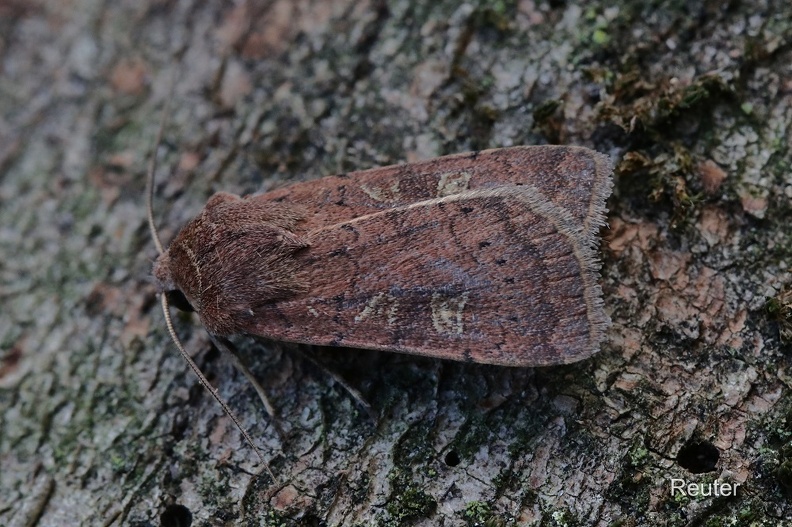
x=102, y=423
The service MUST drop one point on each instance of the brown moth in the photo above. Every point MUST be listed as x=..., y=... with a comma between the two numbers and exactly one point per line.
x=487, y=257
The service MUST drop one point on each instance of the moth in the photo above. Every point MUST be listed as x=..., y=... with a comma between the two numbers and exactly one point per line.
x=488, y=257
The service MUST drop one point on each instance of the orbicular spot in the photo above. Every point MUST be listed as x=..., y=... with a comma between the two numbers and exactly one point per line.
x=467, y=210
x=382, y=306
x=447, y=311
x=484, y=244
x=453, y=183
x=384, y=194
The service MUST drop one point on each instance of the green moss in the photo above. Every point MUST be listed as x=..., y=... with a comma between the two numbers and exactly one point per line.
x=563, y=518
x=495, y=16
x=505, y=480
x=600, y=37
x=749, y=512
x=545, y=111
x=474, y=433
x=407, y=503
x=638, y=455
x=480, y=514
x=118, y=464
x=211, y=488
x=664, y=178
x=413, y=447
x=699, y=93
x=595, y=30
x=631, y=488
x=660, y=116
x=274, y=519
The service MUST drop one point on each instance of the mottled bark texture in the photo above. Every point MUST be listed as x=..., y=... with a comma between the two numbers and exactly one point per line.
x=101, y=423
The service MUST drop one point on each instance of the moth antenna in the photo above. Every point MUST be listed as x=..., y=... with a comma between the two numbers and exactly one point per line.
x=205, y=383
x=152, y=167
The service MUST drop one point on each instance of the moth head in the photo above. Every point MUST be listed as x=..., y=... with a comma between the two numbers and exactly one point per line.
x=163, y=279
x=178, y=270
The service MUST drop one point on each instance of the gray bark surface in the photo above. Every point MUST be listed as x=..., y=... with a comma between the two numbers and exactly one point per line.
x=101, y=421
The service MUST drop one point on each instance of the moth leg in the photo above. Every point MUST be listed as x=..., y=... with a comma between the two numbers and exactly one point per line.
x=356, y=395
x=227, y=347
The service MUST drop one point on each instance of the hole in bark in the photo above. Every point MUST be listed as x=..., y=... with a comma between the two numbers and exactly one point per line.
x=698, y=456
x=452, y=458
x=176, y=516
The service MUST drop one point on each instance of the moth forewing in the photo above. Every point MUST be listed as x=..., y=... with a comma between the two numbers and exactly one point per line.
x=461, y=277
x=574, y=178
x=487, y=257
